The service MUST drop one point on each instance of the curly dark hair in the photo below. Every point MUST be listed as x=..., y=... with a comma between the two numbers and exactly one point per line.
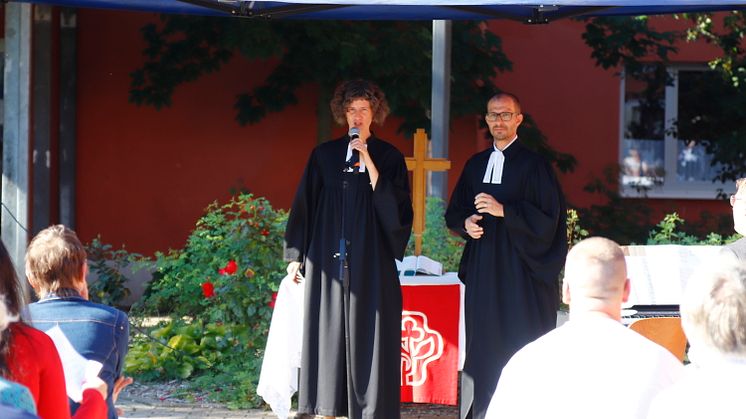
x=348, y=91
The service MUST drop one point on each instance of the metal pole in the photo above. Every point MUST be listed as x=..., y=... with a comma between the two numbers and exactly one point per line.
x=68, y=83
x=14, y=211
x=440, y=103
x=41, y=173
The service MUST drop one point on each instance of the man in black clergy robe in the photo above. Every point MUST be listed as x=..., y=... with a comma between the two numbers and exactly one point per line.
x=510, y=208
x=360, y=379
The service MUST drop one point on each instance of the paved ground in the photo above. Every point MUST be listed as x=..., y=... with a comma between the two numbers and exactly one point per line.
x=134, y=408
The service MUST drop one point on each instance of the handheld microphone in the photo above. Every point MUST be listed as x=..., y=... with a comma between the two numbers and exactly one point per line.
x=354, y=134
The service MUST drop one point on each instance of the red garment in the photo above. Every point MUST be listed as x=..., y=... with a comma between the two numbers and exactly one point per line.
x=34, y=362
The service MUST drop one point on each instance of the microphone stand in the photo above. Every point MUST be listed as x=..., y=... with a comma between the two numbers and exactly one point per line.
x=344, y=275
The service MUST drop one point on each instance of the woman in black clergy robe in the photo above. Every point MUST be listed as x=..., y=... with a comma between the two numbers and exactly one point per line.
x=354, y=374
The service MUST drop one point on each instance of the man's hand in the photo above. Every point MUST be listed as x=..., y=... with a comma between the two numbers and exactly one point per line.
x=293, y=269
x=119, y=385
x=473, y=229
x=487, y=204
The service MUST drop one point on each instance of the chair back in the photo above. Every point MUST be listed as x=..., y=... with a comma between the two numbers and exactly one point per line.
x=665, y=331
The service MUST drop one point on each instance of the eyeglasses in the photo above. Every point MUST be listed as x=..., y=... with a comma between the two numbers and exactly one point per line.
x=734, y=198
x=505, y=116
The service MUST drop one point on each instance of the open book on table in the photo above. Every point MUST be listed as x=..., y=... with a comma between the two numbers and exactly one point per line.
x=419, y=265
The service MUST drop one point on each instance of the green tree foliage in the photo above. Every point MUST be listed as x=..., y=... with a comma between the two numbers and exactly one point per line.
x=625, y=221
x=718, y=99
x=396, y=55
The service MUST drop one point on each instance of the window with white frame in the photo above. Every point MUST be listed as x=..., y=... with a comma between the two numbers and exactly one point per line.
x=661, y=155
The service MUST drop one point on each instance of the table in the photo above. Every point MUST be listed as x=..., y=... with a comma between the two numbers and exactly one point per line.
x=433, y=338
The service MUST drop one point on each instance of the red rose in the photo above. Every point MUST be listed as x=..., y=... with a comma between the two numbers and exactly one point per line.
x=222, y=271
x=265, y=232
x=271, y=304
x=231, y=267
x=208, y=290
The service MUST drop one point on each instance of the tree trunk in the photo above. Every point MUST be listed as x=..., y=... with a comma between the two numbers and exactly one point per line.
x=323, y=115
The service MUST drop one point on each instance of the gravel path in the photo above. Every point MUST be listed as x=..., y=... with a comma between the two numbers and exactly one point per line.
x=161, y=400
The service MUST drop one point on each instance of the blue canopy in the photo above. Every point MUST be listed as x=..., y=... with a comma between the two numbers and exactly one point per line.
x=524, y=10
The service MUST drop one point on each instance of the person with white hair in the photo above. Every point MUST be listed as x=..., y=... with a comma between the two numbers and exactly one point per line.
x=713, y=314
x=592, y=366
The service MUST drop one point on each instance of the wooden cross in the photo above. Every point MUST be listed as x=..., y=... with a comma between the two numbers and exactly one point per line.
x=418, y=165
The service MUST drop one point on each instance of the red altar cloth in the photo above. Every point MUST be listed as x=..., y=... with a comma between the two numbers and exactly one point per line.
x=430, y=343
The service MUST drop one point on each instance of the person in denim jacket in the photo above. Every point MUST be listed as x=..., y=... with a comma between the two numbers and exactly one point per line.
x=56, y=267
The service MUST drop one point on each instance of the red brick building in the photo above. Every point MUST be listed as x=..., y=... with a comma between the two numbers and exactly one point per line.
x=144, y=176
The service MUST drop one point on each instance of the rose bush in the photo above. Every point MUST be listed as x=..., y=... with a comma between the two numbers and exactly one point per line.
x=218, y=293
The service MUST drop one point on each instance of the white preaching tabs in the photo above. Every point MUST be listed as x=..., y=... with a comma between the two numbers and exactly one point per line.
x=77, y=369
x=349, y=155
x=494, y=172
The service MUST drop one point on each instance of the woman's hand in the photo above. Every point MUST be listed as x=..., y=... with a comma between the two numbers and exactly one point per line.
x=362, y=148
x=294, y=270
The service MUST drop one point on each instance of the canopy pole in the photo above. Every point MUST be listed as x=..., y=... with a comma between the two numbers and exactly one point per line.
x=440, y=104
x=14, y=211
x=41, y=117
x=68, y=109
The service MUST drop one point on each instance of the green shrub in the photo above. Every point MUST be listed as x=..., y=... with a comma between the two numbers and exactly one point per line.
x=218, y=291
x=438, y=243
x=228, y=270
x=108, y=264
x=668, y=231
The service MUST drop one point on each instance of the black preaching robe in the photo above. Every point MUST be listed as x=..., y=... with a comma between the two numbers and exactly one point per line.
x=511, y=272
x=378, y=223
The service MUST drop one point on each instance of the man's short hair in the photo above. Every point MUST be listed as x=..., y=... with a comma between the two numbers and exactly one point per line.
x=713, y=310
x=596, y=266
x=740, y=183
x=55, y=259
x=510, y=96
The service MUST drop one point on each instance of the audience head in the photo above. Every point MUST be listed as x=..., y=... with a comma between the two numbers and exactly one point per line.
x=713, y=309
x=56, y=259
x=595, y=278
x=738, y=202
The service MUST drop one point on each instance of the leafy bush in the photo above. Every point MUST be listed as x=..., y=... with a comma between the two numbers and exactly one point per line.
x=217, y=358
x=219, y=292
x=228, y=270
x=575, y=232
x=668, y=232
x=438, y=243
x=108, y=264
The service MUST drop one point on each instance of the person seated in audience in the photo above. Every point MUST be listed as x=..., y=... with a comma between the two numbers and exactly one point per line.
x=713, y=314
x=592, y=366
x=29, y=357
x=9, y=412
x=13, y=394
x=56, y=268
